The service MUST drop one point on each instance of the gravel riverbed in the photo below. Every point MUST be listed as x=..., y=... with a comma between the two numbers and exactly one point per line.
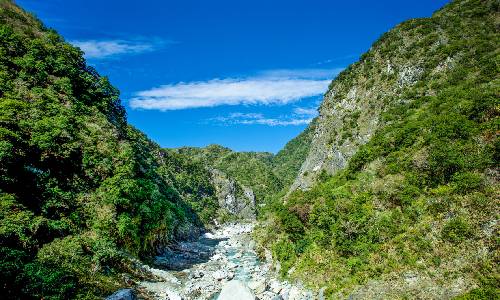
x=223, y=260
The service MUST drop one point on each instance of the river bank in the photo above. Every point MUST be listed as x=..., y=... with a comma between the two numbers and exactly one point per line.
x=218, y=260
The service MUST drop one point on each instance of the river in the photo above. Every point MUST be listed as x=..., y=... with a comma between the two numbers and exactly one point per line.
x=200, y=269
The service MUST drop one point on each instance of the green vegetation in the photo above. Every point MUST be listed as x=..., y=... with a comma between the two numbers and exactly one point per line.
x=287, y=162
x=268, y=175
x=81, y=192
x=251, y=169
x=422, y=195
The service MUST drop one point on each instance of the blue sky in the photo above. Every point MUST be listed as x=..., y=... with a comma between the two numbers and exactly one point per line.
x=248, y=75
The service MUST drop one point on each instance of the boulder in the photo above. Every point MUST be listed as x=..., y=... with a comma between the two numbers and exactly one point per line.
x=295, y=293
x=219, y=274
x=197, y=274
x=235, y=289
x=172, y=295
x=123, y=294
x=258, y=286
x=268, y=295
x=275, y=286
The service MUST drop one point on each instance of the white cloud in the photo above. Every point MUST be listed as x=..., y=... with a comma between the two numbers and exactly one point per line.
x=277, y=122
x=246, y=116
x=99, y=49
x=302, y=111
x=273, y=87
x=299, y=117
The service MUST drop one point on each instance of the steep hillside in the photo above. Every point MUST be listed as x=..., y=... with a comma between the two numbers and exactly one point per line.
x=403, y=61
x=399, y=195
x=266, y=174
x=235, y=201
x=250, y=169
x=287, y=162
x=82, y=193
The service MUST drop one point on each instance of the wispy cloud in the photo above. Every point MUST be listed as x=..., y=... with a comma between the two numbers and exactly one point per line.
x=304, y=111
x=266, y=88
x=100, y=49
x=300, y=116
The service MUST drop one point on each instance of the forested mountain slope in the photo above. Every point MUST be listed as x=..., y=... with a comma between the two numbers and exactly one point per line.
x=267, y=175
x=81, y=191
x=394, y=192
x=287, y=162
x=399, y=194
x=250, y=169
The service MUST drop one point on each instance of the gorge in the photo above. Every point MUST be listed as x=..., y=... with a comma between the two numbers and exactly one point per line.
x=390, y=193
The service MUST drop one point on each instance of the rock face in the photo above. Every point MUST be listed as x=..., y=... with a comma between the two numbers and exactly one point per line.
x=237, y=199
x=235, y=289
x=355, y=101
x=123, y=294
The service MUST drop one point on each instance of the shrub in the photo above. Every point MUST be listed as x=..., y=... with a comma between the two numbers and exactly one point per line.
x=467, y=182
x=291, y=224
x=456, y=230
x=284, y=252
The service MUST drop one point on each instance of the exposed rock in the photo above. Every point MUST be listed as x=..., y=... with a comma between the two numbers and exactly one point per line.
x=234, y=197
x=123, y=294
x=210, y=262
x=220, y=274
x=258, y=286
x=236, y=289
x=268, y=295
x=197, y=274
x=352, y=107
x=275, y=286
x=295, y=293
x=409, y=75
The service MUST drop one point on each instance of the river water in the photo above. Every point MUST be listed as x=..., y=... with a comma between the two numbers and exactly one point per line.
x=200, y=269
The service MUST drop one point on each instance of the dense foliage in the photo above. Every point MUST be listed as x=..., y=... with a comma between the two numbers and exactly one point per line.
x=287, y=162
x=422, y=196
x=251, y=169
x=81, y=192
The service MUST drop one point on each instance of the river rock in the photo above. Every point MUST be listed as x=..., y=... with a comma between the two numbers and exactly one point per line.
x=216, y=257
x=235, y=289
x=294, y=293
x=197, y=274
x=123, y=294
x=172, y=295
x=285, y=291
x=258, y=286
x=268, y=295
x=251, y=244
x=275, y=286
x=219, y=274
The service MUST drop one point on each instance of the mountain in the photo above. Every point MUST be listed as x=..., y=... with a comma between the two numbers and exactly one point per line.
x=267, y=176
x=401, y=63
x=288, y=161
x=391, y=192
x=251, y=169
x=398, y=195
x=83, y=194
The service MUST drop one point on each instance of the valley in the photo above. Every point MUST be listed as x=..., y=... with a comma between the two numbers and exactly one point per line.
x=391, y=192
